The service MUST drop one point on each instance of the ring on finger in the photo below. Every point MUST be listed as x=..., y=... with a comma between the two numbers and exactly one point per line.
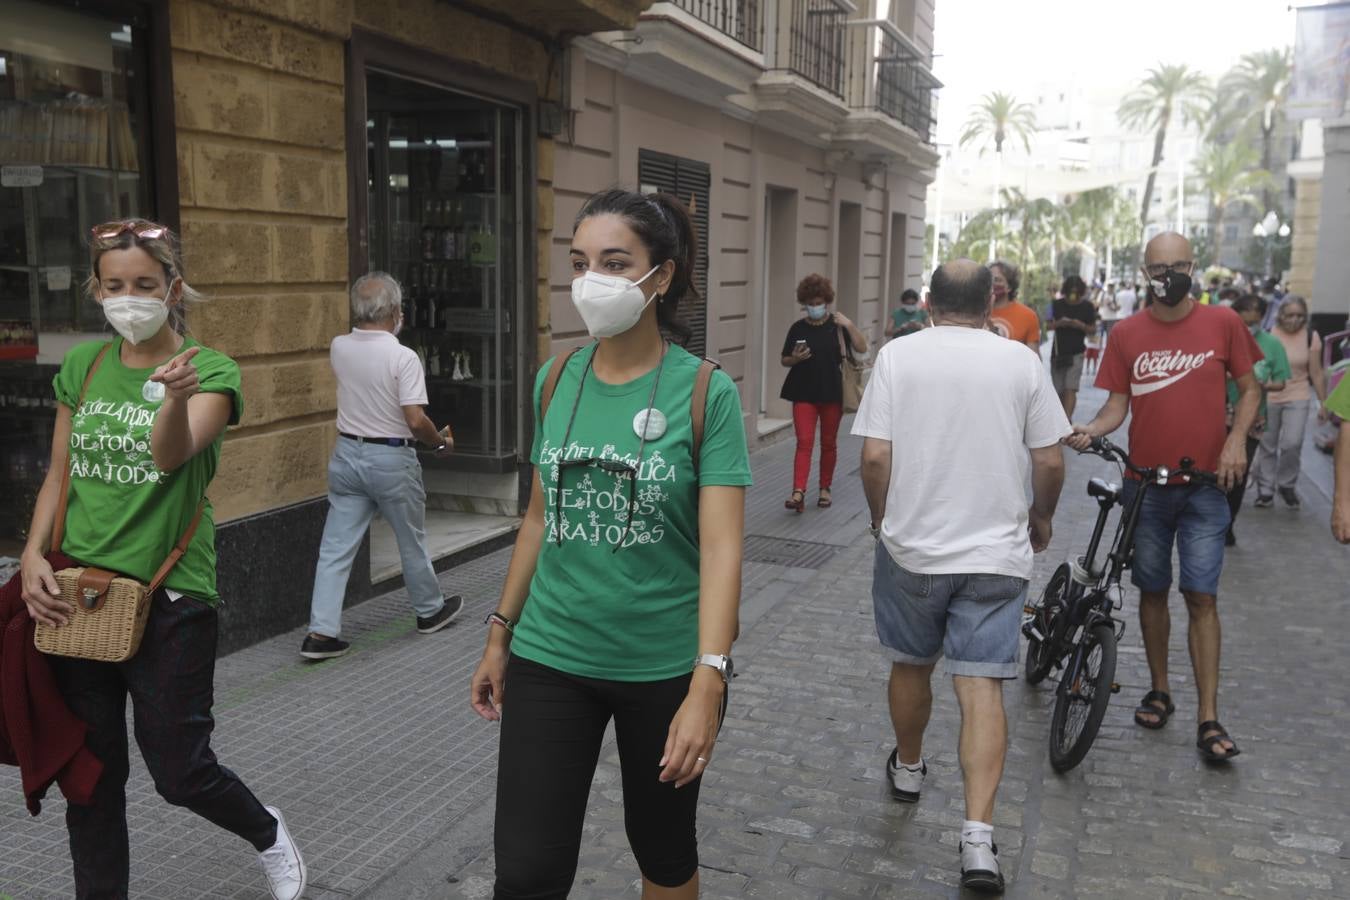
x=703, y=759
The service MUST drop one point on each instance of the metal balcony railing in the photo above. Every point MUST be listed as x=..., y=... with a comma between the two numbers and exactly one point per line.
x=816, y=43
x=739, y=20
x=904, y=88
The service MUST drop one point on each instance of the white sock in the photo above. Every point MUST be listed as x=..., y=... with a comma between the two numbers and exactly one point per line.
x=977, y=833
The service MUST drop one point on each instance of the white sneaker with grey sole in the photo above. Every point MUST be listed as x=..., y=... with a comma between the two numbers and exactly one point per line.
x=282, y=863
x=979, y=867
x=906, y=781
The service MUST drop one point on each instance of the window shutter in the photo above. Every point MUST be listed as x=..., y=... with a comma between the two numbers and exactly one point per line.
x=691, y=181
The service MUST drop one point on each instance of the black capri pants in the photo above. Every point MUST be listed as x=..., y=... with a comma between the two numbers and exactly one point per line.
x=552, y=727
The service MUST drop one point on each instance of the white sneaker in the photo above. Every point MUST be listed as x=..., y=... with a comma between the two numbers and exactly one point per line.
x=282, y=864
x=905, y=782
x=979, y=867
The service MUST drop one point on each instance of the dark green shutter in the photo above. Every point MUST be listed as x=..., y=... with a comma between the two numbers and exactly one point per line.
x=687, y=179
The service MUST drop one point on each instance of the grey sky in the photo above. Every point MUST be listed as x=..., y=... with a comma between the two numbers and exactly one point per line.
x=1019, y=45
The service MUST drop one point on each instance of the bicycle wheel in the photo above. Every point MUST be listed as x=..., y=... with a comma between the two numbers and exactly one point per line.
x=1041, y=616
x=1081, y=702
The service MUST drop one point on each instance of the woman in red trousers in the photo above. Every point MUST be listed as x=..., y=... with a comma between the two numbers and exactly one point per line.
x=813, y=355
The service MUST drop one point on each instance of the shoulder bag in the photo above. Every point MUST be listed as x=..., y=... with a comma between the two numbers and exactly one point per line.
x=110, y=610
x=852, y=372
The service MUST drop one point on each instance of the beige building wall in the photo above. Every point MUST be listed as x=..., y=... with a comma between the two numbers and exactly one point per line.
x=619, y=116
x=262, y=178
x=259, y=113
x=1303, y=252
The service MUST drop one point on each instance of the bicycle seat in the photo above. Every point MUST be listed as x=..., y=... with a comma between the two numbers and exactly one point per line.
x=1103, y=490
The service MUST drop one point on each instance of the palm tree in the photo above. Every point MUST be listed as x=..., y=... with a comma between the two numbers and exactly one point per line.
x=1261, y=79
x=995, y=118
x=1168, y=90
x=1227, y=173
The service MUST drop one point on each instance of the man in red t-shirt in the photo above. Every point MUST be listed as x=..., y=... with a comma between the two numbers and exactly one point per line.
x=1167, y=368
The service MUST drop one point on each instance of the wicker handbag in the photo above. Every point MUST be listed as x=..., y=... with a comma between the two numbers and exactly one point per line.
x=110, y=609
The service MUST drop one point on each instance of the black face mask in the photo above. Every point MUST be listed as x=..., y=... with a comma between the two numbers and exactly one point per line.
x=1175, y=287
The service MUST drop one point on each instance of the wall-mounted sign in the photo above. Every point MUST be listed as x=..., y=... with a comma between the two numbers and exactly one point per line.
x=20, y=176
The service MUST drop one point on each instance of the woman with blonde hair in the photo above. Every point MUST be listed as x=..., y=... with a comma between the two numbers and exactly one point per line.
x=139, y=425
x=1280, y=456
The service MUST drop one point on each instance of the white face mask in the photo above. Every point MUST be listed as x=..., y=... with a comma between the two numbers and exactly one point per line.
x=136, y=318
x=609, y=304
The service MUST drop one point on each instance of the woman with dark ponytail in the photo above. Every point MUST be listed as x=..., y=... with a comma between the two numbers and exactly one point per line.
x=622, y=595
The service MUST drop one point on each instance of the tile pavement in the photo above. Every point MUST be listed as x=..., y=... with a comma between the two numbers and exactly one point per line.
x=387, y=778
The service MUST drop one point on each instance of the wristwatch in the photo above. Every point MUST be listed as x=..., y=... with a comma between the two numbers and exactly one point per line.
x=719, y=662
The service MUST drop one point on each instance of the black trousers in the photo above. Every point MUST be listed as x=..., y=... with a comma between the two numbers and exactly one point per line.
x=171, y=682
x=553, y=725
x=1236, y=492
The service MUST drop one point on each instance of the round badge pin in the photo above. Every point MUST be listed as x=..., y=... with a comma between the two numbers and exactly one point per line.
x=649, y=424
x=152, y=392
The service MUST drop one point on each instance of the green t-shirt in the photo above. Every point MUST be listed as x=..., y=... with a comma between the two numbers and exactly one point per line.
x=902, y=317
x=1339, y=401
x=630, y=615
x=123, y=514
x=1274, y=367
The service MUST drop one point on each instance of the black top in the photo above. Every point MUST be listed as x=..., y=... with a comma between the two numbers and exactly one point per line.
x=1069, y=342
x=818, y=379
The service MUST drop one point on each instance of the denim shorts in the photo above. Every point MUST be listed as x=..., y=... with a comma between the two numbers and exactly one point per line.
x=974, y=619
x=1196, y=517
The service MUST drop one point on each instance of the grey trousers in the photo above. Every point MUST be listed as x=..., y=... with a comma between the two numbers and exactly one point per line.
x=1280, y=455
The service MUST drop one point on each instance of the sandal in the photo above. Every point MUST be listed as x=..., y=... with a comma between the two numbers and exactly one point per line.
x=1209, y=745
x=797, y=502
x=1147, y=707
x=824, y=502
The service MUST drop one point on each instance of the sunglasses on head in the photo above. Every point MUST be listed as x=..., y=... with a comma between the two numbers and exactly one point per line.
x=110, y=230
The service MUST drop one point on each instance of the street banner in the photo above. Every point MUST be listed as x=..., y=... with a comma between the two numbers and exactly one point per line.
x=1321, y=62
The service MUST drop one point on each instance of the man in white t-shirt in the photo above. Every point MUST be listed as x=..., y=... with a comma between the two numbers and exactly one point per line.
x=1118, y=306
x=955, y=423
x=381, y=392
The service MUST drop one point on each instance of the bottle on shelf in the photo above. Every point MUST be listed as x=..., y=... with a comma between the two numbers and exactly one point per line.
x=434, y=362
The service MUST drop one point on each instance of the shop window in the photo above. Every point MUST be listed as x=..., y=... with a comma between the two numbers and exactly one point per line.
x=690, y=180
x=444, y=193
x=74, y=152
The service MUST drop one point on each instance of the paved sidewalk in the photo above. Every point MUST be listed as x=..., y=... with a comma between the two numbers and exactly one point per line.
x=387, y=777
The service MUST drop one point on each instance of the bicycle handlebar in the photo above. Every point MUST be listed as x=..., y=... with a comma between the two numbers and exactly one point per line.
x=1185, y=470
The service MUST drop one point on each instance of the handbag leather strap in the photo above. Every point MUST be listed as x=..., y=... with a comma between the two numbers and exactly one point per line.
x=845, y=346
x=58, y=525
x=178, y=549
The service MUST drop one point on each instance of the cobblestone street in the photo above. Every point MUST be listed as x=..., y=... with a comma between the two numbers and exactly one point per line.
x=386, y=777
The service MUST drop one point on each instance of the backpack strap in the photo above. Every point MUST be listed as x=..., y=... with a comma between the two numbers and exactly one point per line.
x=698, y=404
x=555, y=371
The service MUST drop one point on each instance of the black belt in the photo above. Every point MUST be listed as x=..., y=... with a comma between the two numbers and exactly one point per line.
x=388, y=442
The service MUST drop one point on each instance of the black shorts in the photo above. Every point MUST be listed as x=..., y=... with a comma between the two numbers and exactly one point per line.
x=553, y=725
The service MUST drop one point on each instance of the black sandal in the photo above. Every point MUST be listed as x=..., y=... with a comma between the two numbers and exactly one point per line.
x=797, y=502
x=823, y=501
x=1209, y=745
x=1147, y=707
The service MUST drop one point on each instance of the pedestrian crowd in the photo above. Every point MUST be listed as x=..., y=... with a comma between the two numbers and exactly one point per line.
x=620, y=603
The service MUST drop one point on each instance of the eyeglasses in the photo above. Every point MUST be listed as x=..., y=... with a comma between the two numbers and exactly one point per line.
x=1158, y=270
x=1292, y=317
x=110, y=230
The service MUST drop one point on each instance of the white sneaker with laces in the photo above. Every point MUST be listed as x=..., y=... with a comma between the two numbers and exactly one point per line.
x=282, y=863
x=979, y=867
x=905, y=782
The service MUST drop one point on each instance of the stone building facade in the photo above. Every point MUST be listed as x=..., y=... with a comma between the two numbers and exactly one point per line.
x=299, y=143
